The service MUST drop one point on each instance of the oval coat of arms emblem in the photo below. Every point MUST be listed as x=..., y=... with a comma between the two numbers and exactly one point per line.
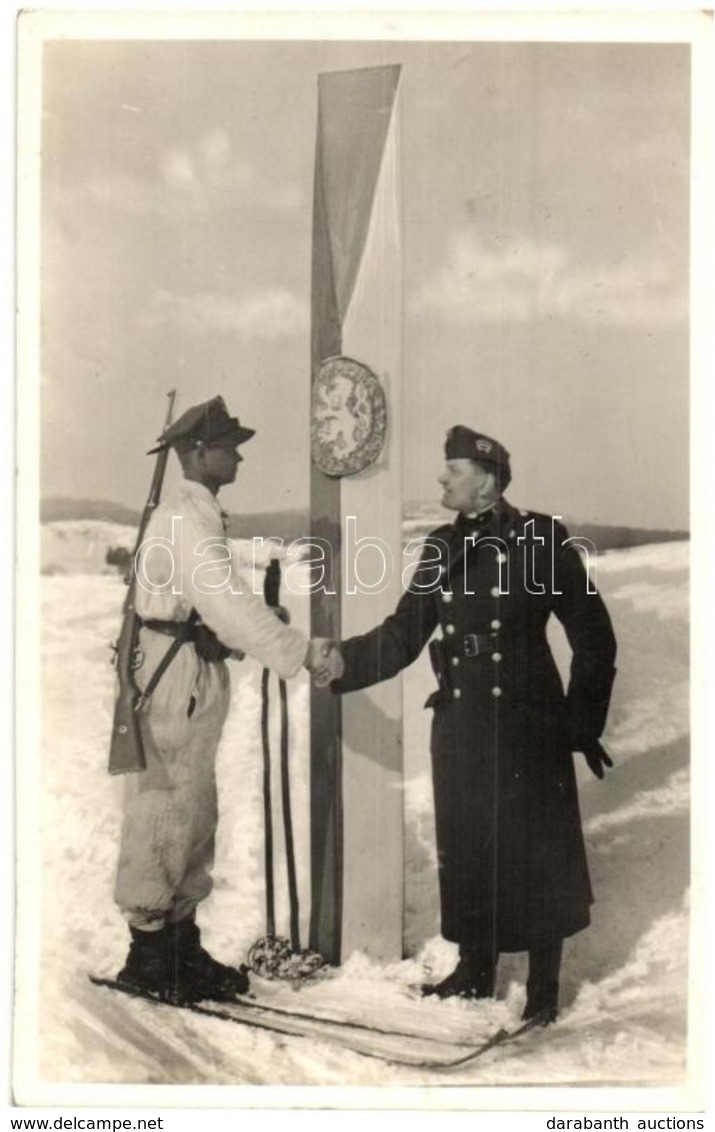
x=349, y=417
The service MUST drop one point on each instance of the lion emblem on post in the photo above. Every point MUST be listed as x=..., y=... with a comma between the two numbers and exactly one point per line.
x=349, y=417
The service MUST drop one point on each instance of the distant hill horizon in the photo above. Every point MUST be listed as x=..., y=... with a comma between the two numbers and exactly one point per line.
x=285, y=524
x=293, y=524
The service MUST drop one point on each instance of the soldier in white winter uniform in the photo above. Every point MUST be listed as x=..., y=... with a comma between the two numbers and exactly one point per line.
x=185, y=574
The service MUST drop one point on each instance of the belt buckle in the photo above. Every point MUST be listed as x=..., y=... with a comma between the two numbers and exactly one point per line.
x=471, y=644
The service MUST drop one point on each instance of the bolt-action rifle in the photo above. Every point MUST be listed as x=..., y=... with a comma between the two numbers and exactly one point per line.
x=126, y=751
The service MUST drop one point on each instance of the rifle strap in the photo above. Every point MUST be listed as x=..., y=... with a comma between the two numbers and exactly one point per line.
x=179, y=640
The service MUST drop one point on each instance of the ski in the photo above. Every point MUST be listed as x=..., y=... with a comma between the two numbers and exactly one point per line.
x=501, y=1038
x=393, y=1047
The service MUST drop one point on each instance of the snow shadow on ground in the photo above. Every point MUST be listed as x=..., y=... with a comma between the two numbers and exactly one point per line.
x=638, y=843
x=640, y=866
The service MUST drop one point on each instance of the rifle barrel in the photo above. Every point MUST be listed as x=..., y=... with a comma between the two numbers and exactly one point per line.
x=126, y=749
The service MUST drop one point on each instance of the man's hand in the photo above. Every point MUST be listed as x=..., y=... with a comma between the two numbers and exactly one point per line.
x=324, y=661
x=596, y=757
x=333, y=666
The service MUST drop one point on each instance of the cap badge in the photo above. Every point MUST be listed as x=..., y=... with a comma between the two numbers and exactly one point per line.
x=484, y=446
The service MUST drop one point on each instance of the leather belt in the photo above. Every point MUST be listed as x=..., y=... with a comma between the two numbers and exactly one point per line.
x=474, y=644
x=170, y=628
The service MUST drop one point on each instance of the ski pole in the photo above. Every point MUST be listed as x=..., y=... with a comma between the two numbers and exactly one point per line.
x=272, y=595
x=267, y=811
x=267, y=806
x=288, y=824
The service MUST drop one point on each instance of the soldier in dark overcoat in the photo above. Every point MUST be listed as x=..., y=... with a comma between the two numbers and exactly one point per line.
x=512, y=865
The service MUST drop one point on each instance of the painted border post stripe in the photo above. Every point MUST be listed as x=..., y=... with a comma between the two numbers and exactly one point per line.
x=356, y=851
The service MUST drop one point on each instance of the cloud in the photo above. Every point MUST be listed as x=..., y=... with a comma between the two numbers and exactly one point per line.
x=198, y=179
x=521, y=280
x=271, y=313
x=206, y=175
x=209, y=169
x=177, y=169
x=127, y=193
x=215, y=148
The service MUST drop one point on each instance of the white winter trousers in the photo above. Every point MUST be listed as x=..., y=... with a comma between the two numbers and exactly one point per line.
x=170, y=809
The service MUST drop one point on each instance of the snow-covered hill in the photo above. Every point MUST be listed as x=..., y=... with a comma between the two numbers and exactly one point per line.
x=625, y=980
x=79, y=546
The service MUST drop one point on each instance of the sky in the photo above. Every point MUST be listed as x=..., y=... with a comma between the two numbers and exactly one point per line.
x=545, y=227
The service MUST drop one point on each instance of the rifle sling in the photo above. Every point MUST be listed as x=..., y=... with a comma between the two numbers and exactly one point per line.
x=180, y=639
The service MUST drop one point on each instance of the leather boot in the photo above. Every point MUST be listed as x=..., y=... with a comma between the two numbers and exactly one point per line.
x=197, y=966
x=473, y=977
x=542, y=986
x=150, y=968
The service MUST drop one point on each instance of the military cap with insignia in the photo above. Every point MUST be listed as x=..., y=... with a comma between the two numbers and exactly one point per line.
x=463, y=443
x=206, y=425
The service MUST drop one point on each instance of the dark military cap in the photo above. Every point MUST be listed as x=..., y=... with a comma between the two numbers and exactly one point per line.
x=464, y=443
x=206, y=425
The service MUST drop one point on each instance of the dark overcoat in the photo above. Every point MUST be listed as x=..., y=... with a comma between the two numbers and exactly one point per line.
x=511, y=856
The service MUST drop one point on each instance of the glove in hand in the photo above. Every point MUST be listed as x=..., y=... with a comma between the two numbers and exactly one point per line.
x=596, y=756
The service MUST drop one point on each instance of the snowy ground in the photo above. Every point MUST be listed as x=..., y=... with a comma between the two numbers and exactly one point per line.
x=624, y=993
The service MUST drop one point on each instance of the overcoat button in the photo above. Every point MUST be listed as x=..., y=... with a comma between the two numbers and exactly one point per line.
x=512, y=534
x=447, y=596
x=496, y=657
x=457, y=693
x=501, y=558
x=495, y=591
x=496, y=691
x=496, y=624
x=449, y=629
x=455, y=661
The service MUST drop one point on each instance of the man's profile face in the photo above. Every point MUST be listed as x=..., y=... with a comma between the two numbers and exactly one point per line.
x=463, y=483
x=221, y=463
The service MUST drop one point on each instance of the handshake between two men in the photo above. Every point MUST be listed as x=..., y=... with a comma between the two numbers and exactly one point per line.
x=324, y=661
